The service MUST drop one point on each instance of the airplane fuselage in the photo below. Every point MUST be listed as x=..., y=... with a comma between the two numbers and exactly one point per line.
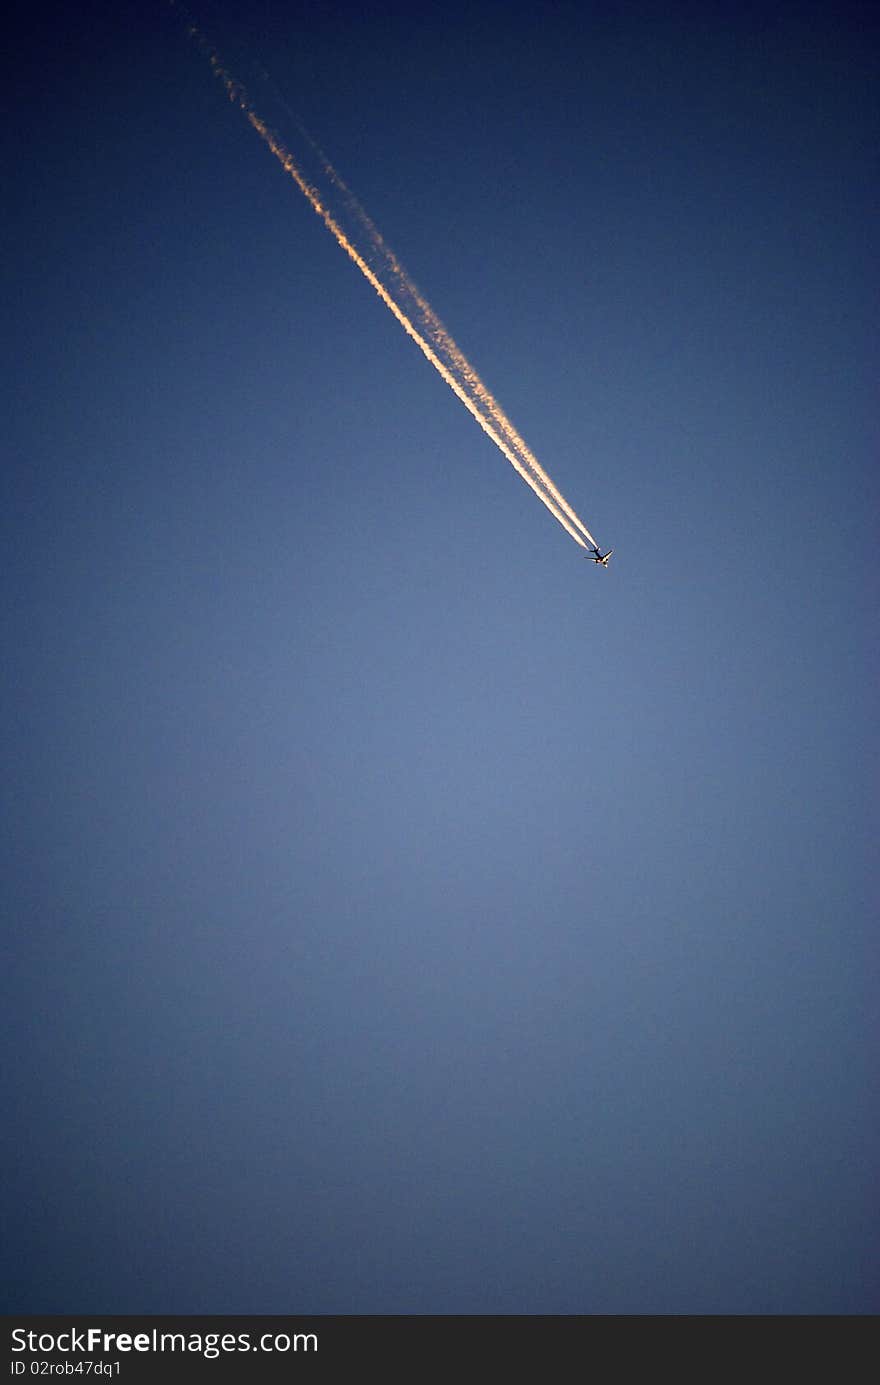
x=597, y=556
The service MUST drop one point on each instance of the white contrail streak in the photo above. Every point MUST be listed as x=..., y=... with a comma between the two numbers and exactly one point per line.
x=456, y=371
x=442, y=339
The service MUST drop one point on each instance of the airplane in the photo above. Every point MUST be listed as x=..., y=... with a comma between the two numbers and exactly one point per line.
x=595, y=556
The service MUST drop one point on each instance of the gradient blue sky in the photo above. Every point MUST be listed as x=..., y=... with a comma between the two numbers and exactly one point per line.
x=403, y=915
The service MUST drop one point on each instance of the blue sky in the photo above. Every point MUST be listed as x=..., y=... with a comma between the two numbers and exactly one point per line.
x=404, y=915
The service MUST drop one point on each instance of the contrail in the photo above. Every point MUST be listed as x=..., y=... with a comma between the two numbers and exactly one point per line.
x=441, y=338
x=496, y=425
x=438, y=334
